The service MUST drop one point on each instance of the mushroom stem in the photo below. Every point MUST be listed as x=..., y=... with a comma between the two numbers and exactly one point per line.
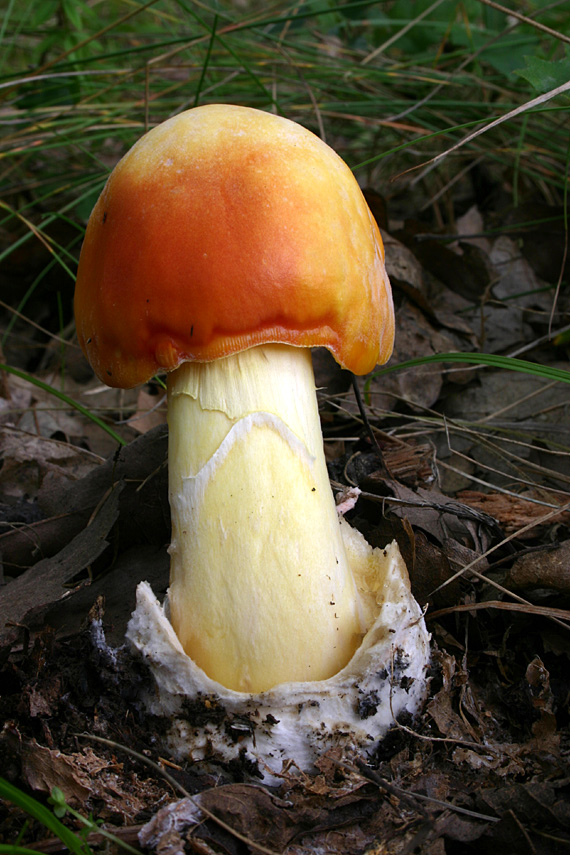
x=261, y=590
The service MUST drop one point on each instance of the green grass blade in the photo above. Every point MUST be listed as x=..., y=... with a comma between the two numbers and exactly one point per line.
x=42, y=814
x=491, y=360
x=12, y=849
x=206, y=62
x=23, y=375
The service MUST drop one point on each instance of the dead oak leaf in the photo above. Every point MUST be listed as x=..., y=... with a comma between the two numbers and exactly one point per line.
x=85, y=776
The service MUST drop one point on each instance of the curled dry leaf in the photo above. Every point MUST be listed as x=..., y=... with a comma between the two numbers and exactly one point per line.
x=43, y=584
x=256, y=815
x=420, y=386
x=537, y=804
x=84, y=776
x=170, y=825
x=545, y=729
x=43, y=769
x=404, y=270
x=69, y=504
x=542, y=568
x=442, y=305
x=444, y=517
x=466, y=273
x=28, y=459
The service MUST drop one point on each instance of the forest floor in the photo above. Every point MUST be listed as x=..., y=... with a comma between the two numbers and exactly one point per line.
x=471, y=475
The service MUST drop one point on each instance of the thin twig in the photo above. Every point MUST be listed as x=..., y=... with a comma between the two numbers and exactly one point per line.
x=409, y=798
x=522, y=108
x=367, y=425
x=177, y=786
x=513, y=14
x=41, y=329
x=398, y=35
x=541, y=611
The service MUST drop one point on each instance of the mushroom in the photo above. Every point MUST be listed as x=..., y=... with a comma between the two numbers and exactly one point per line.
x=225, y=244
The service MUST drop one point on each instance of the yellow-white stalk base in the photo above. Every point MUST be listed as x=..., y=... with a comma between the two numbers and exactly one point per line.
x=295, y=721
x=261, y=591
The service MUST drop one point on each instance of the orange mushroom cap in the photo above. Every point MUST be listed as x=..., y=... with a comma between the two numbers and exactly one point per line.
x=224, y=228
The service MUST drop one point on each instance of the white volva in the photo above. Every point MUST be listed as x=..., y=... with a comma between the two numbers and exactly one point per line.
x=295, y=722
x=284, y=631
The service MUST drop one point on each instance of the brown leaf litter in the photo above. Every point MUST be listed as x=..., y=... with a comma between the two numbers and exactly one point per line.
x=494, y=719
x=460, y=462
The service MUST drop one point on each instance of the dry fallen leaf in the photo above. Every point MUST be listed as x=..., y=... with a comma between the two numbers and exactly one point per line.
x=67, y=506
x=419, y=386
x=86, y=776
x=43, y=584
x=28, y=459
x=542, y=568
